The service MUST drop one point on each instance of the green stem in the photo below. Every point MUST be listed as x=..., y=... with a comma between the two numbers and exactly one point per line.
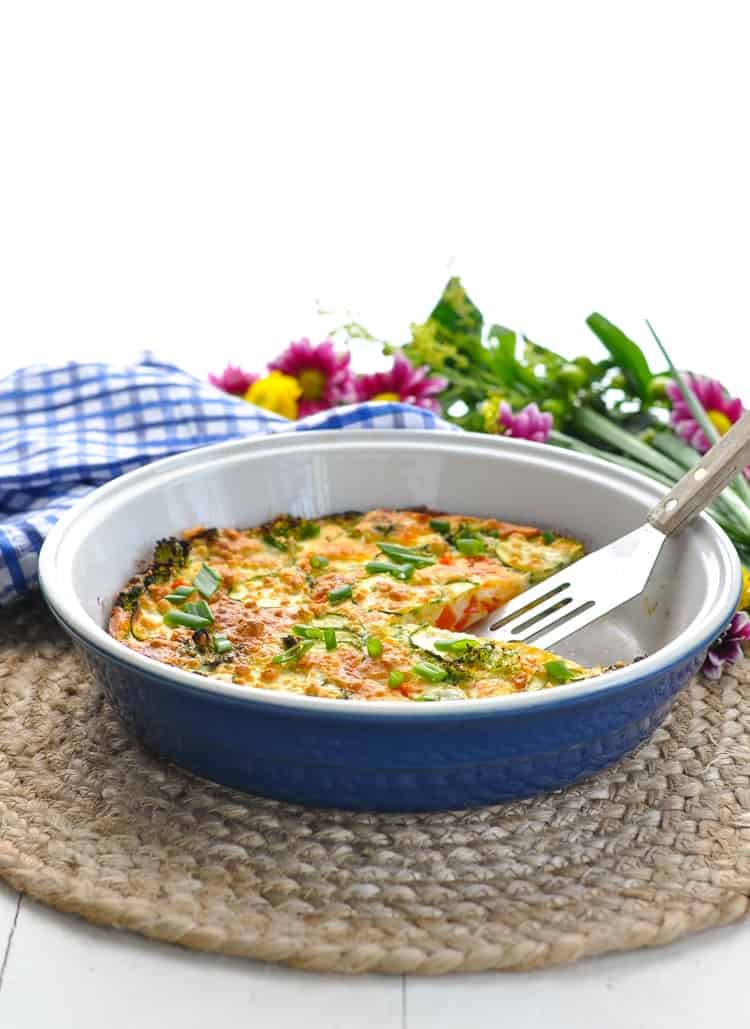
x=721, y=514
x=698, y=412
x=481, y=380
x=605, y=430
x=560, y=439
x=674, y=447
x=727, y=500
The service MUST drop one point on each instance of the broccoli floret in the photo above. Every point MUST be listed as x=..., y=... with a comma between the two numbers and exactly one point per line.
x=171, y=551
x=170, y=555
x=128, y=599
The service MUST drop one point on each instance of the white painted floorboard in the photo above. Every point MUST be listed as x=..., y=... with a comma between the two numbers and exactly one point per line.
x=698, y=983
x=63, y=973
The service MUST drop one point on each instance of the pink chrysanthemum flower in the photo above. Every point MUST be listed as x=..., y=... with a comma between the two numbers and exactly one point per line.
x=727, y=649
x=233, y=380
x=403, y=383
x=323, y=375
x=722, y=410
x=528, y=423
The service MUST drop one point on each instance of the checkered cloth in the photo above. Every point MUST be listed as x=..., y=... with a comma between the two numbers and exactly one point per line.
x=67, y=429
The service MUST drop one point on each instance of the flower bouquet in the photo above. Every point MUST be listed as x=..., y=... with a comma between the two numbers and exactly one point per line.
x=492, y=379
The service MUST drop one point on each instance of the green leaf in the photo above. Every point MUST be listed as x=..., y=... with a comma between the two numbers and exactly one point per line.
x=627, y=354
x=456, y=313
x=451, y=337
x=505, y=364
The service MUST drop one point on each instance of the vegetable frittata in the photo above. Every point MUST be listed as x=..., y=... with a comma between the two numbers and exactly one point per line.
x=370, y=606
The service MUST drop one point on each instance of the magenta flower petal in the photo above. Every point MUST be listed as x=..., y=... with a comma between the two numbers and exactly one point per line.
x=323, y=374
x=233, y=380
x=407, y=384
x=713, y=398
x=727, y=649
x=528, y=423
x=733, y=409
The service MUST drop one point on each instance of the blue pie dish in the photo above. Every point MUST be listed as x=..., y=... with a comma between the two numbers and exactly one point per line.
x=388, y=755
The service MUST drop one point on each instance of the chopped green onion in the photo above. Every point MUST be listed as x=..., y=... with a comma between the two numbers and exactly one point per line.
x=437, y=525
x=309, y=531
x=385, y=567
x=469, y=546
x=395, y=679
x=558, y=671
x=207, y=581
x=341, y=594
x=548, y=537
x=201, y=609
x=292, y=656
x=455, y=646
x=180, y=594
x=374, y=646
x=329, y=635
x=308, y=632
x=318, y=561
x=186, y=620
x=433, y=673
x=271, y=541
x=221, y=644
x=406, y=555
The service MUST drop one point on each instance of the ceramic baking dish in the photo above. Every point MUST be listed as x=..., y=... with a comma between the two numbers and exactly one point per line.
x=391, y=755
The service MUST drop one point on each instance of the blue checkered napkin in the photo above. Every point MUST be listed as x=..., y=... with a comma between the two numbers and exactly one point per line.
x=66, y=430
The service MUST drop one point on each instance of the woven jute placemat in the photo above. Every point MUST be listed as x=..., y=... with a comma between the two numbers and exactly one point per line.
x=654, y=849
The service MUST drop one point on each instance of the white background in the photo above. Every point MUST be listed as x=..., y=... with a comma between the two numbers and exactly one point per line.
x=198, y=178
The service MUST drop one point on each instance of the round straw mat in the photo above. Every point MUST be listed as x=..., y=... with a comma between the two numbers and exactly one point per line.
x=654, y=849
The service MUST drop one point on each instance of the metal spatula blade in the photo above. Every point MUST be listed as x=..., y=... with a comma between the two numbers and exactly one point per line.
x=597, y=584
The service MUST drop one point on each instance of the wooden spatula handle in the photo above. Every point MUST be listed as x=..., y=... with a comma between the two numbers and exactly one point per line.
x=719, y=466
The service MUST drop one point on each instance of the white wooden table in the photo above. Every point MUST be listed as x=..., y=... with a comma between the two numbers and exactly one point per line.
x=198, y=178
x=61, y=972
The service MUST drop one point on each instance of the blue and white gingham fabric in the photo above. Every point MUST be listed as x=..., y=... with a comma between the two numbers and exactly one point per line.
x=65, y=430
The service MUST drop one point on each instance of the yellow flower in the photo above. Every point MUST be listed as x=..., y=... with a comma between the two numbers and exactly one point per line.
x=745, y=596
x=276, y=392
x=490, y=409
x=719, y=421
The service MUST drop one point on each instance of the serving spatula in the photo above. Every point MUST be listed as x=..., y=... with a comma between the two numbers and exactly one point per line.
x=597, y=584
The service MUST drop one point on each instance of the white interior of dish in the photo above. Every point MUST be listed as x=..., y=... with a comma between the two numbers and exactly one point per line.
x=97, y=547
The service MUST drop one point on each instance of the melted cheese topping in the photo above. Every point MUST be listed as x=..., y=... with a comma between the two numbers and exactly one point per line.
x=369, y=606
